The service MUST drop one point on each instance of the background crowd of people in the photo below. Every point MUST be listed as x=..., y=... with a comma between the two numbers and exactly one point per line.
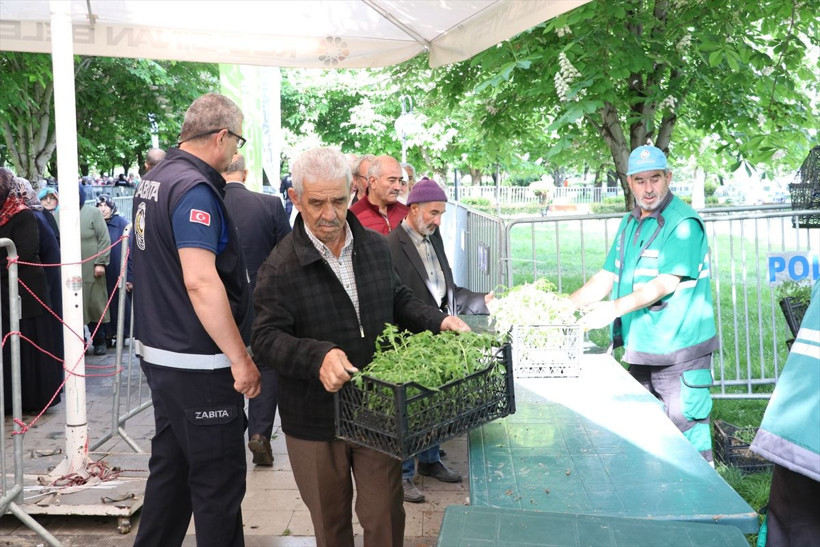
x=30, y=218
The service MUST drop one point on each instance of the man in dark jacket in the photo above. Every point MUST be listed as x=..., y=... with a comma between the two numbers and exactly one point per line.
x=286, y=183
x=322, y=298
x=262, y=223
x=421, y=264
x=422, y=223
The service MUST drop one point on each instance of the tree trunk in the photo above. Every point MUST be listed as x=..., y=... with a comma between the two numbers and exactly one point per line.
x=598, y=181
x=32, y=140
x=141, y=165
x=616, y=141
x=30, y=145
x=439, y=172
x=475, y=176
x=559, y=174
x=424, y=154
x=612, y=179
x=665, y=132
x=51, y=166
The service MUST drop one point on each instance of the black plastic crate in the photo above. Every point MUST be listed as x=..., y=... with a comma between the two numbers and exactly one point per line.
x=793, y=311
x=733, y=450
x=401, y=420
x=806, y=196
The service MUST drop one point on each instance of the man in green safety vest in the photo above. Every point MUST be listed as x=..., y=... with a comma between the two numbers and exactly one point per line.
x=789, y=436
x=657, y=274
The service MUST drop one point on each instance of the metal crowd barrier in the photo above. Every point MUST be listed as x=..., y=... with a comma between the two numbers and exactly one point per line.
x=136, y=396
x=124, y=204
x=93, y=191
x=12, y=494
x=130, y=392
x=473, y=241
x=567, y=250
x=753, y=350
x=521, y=194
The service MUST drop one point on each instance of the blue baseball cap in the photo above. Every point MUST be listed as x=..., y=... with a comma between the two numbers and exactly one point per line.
x=646, y=158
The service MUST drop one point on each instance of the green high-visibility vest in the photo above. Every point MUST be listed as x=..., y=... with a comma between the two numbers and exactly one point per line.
x=680, y=326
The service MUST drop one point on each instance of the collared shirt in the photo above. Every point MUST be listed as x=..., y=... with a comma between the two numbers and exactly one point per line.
x=657, y=214
x=435, y=276
x=343, y=266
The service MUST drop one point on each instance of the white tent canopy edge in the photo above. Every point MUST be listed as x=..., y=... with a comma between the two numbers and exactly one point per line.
x=285, y=33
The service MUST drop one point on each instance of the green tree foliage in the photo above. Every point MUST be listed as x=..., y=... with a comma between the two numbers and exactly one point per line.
x=455, y=111
x=356, y=110
x=611, y=75
x=27, y=112
x=118, y=103
x=349, y=109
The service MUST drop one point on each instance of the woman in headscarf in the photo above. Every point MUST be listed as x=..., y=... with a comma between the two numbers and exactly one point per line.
x=50, y=201
x=42, y=375
x=116, y=227
x=94, y=240
x=49, y=247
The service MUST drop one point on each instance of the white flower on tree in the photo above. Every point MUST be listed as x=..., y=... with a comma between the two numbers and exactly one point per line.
x=669, y=102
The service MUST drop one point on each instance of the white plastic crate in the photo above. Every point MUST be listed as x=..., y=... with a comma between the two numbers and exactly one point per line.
x=547, y=351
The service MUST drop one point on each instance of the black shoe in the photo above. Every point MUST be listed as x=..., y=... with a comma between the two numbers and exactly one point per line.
x=100, y=349
x=442, y=453
x=438, y=471
x=261, y=450
x=411, y=493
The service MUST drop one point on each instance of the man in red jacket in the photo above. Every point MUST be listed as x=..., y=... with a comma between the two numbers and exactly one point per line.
x=381, y=211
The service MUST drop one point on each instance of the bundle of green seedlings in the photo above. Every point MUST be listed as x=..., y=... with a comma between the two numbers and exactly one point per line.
x=432, y=361
x=428, y=359
x=536, y=303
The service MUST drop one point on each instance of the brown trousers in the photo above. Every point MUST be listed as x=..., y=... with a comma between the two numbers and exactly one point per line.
x=323, y=475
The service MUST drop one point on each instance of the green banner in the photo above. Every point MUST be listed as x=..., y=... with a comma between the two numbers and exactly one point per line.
x=241, y=84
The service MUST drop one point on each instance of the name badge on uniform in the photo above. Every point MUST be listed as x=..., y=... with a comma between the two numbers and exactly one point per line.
x=212, y=415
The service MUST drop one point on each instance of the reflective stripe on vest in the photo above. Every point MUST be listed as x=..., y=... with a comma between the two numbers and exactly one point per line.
x=188, y=361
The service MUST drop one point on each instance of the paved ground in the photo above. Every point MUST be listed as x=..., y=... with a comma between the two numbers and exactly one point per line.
x=273, y=512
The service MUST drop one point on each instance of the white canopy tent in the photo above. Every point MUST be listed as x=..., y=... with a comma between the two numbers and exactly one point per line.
x=283, y=33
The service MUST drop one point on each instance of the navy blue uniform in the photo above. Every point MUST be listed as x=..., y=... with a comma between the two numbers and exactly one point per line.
x=197, y=460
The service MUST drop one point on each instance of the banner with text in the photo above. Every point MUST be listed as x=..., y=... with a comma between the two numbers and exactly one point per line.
x=793, y=266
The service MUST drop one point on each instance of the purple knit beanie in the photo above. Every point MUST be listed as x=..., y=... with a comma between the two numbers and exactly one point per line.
x=426, y=190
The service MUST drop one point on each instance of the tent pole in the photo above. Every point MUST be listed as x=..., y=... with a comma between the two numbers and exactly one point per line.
x=62, y=58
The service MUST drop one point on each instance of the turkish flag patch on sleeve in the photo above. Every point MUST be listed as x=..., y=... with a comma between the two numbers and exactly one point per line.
x=200, y=217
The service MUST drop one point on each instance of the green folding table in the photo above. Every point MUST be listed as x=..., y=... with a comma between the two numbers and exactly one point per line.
x=597, y=445
x=491, y=527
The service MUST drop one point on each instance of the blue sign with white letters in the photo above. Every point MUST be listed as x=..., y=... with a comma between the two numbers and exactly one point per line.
x=793, y=266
